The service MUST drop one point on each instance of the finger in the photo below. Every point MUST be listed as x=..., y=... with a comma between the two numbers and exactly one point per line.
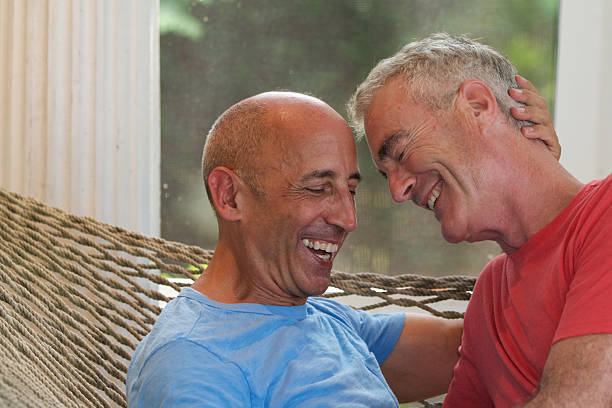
x=528, y=97
x=525, y=83
x=546, y=134
x=538, y=132
x=533, y=114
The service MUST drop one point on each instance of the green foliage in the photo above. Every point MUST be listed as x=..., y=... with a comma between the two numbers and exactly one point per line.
x=195, y=270
x=174, y=17
x=217, y=52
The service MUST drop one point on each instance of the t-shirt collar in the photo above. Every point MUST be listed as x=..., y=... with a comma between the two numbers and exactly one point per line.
x=290, y=312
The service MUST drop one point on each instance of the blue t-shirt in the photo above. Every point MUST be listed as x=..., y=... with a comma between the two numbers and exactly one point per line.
x=202, y=353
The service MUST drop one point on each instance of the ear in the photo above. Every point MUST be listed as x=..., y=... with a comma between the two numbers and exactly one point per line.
x=224, y=186
x=479, y=102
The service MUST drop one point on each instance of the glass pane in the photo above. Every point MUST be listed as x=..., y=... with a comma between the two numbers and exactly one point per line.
x=217, y=52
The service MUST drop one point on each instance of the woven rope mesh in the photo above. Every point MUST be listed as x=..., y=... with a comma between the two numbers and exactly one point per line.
x=77, y=295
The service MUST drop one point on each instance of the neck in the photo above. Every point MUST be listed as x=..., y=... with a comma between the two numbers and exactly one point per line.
x=221, y=280
x=236, y=277
x=536, y=200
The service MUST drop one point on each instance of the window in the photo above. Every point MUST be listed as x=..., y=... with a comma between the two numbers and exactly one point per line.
x=217, y=52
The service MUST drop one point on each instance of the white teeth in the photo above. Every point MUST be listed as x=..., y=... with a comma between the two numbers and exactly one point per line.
x=431, y=202
x=323, y=246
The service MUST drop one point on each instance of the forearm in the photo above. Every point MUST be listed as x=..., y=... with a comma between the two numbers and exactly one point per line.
x=421, y=364
x=578, y=372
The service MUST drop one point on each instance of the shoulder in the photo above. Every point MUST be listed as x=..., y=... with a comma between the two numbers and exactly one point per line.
x=367, y=325
x=593, y=224
x=181, y=354
x=596, y=199
x=491, y=270
x=605, y=184
x=330, y=306
x=494, y=264
x=183, y=372
x=338, y=311
x=176, y=320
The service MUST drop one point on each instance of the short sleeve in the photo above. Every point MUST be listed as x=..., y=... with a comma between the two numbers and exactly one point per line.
x=380, y=331
x=588, y=306
x=185, y=374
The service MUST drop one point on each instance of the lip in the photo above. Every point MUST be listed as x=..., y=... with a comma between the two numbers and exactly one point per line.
x=331, y=240
x=322, y=262
x=425, y=198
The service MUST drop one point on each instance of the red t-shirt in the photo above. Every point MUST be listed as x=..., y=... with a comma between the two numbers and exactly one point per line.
x=557, y=285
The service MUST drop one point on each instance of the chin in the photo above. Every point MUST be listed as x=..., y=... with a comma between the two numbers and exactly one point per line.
x=454, y=237
x=317, y=292
x=318, y=287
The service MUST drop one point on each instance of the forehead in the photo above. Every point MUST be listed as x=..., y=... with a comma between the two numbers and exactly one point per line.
x=393, y=112
x=311, y=139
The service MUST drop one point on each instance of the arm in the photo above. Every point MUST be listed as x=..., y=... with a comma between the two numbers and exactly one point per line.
x=578, y=369
x=578, y=372
x=421, y=363
x=536, y=111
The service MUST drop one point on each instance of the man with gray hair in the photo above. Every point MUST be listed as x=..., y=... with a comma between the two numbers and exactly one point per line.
x=538, y=329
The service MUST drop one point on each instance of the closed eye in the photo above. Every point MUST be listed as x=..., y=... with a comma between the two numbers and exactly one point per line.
x=403, y=154
x=315, y=190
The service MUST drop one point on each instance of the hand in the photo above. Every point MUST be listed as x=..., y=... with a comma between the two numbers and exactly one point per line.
x=536, y=111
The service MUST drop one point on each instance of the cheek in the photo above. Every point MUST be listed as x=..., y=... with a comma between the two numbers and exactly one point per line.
x=422, y=159
x=291, y=217
x=304, y=215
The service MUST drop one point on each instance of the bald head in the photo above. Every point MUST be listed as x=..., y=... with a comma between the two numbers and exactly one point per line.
x=237, y=137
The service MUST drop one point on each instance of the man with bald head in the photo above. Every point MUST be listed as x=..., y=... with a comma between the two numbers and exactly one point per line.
x=538, y=328
x=281, y=172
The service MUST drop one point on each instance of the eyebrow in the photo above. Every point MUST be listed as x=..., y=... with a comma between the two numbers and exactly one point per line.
x=319, y=174
x=390, y=143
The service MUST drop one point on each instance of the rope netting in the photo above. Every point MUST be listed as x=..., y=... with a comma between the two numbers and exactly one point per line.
x=77, y=295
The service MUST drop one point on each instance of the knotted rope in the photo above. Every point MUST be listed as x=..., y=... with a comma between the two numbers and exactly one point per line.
x=77, y=295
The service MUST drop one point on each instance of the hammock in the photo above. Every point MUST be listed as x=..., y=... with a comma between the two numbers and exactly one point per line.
x=77, y=295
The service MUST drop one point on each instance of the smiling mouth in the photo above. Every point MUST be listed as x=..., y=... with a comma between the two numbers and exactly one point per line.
x=433, y=196
x=322, y=249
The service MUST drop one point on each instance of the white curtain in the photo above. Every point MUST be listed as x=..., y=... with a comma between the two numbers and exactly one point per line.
x=583, y=102
x=79, y=107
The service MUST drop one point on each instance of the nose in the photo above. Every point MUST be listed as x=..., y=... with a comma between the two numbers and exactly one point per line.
x=342, y=212
x=401, y=186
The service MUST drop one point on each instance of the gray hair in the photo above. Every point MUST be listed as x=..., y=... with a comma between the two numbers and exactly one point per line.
x=435, y=67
